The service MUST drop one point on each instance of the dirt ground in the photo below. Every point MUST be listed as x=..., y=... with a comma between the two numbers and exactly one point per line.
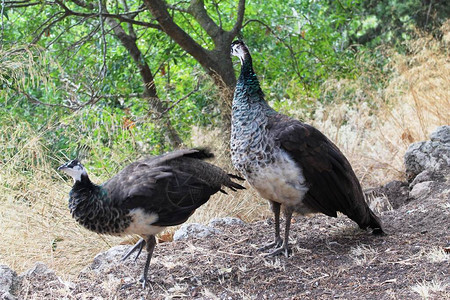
x=331, y=259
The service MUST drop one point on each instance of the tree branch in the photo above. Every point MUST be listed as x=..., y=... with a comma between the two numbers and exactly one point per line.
x=291, y=51
x=39, y=35
x=3, y=28
x=120, y=17
x=18, y=4
x=198, y=11
x=102, y=28
x=130, y=26
x=216, y=6
x=160, y=13
x=240, y=18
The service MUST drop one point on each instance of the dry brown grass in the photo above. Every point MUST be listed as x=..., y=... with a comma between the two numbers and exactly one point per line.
x=36, y=224
x=376, y=128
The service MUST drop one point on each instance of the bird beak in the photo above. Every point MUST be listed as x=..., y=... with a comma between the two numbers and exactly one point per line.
x=62, y=167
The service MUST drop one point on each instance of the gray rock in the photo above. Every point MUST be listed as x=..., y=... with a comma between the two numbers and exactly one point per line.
x=105, y=259
x=426, y=175
x=39, y=269
x=441, y=134
x=41, y=282
x=421, y=190
x=8, y=279
x=225, y=221
x=194, y=230
x=431, y=155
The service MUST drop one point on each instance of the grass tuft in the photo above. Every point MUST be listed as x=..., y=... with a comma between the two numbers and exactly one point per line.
x=426, y=289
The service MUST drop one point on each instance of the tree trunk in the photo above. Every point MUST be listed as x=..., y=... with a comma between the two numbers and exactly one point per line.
x=150, y=92
x=217, y=63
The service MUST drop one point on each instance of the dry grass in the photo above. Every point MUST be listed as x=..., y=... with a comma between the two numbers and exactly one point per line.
x=18, y=67
x=35, y=222
x=376, y=128
x=374, y=131
x=363, y=255
x=436, y=255
x=426, y=289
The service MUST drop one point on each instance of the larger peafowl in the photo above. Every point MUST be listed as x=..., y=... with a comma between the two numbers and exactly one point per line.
x=146, y=196
x=289, y=163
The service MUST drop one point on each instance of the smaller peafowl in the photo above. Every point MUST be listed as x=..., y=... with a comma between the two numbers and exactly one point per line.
x=146, y=196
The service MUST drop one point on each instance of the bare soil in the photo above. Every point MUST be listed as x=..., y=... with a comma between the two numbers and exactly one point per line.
x=331, y=259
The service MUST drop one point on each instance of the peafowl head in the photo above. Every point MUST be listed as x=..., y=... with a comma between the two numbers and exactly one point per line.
x=74, y=169
x=239, y=49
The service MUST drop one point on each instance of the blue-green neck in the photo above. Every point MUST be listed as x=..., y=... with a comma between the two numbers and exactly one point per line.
x=248, y=76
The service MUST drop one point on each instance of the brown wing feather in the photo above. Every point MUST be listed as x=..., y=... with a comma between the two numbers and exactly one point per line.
x=172, y=185
x=333, y=185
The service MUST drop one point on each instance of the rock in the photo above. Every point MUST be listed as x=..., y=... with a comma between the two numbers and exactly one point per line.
x=421, y=190
x=225, y=221
x=41, y=282
x=105, y=259
x=431, y=155
x=194, y=230
x=8, y=280
x=441, y=134
x=426, y=175
x=39, y=269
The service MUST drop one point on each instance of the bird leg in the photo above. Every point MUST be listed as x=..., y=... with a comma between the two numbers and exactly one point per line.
x=276, y=208
x=139, y=245
x=151, y=242
x=284, y=249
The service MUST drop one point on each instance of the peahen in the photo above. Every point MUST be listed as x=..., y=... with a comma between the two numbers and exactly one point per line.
x=146, y=196
x=289, y=163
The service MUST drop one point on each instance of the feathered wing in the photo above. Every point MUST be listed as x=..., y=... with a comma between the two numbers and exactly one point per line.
x=333, y=185
x=172, y=185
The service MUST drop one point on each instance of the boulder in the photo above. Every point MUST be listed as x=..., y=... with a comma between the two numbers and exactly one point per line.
x=41, y=282
x=194, y=230
x=105, y=260
x=433, y=155
x=8, y=279
x=422, y=190
x=225, y=222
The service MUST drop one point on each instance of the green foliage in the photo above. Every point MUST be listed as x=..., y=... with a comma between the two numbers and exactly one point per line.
x=297, y=45
x=394, y=21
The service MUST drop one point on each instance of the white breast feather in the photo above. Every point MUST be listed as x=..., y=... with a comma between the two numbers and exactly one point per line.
x=142, y=223
x=282, y=182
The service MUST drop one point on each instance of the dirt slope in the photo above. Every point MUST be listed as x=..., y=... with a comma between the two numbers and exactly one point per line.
x=331, y=259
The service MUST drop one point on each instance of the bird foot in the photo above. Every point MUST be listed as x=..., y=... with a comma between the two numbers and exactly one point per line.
x=138, y=246
x=277, y=243
x=281, y=250
x=144, y=281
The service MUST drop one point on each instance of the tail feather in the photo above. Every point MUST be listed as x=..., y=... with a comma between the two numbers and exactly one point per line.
x=372, y=222
x=201, y=153
x=375, y=224
x=233, y=185
x=236, y=177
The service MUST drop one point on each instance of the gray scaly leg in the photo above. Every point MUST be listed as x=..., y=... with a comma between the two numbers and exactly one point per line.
x=139, y=245
x=151, y=242
x=284, y=249
x=276, y=208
